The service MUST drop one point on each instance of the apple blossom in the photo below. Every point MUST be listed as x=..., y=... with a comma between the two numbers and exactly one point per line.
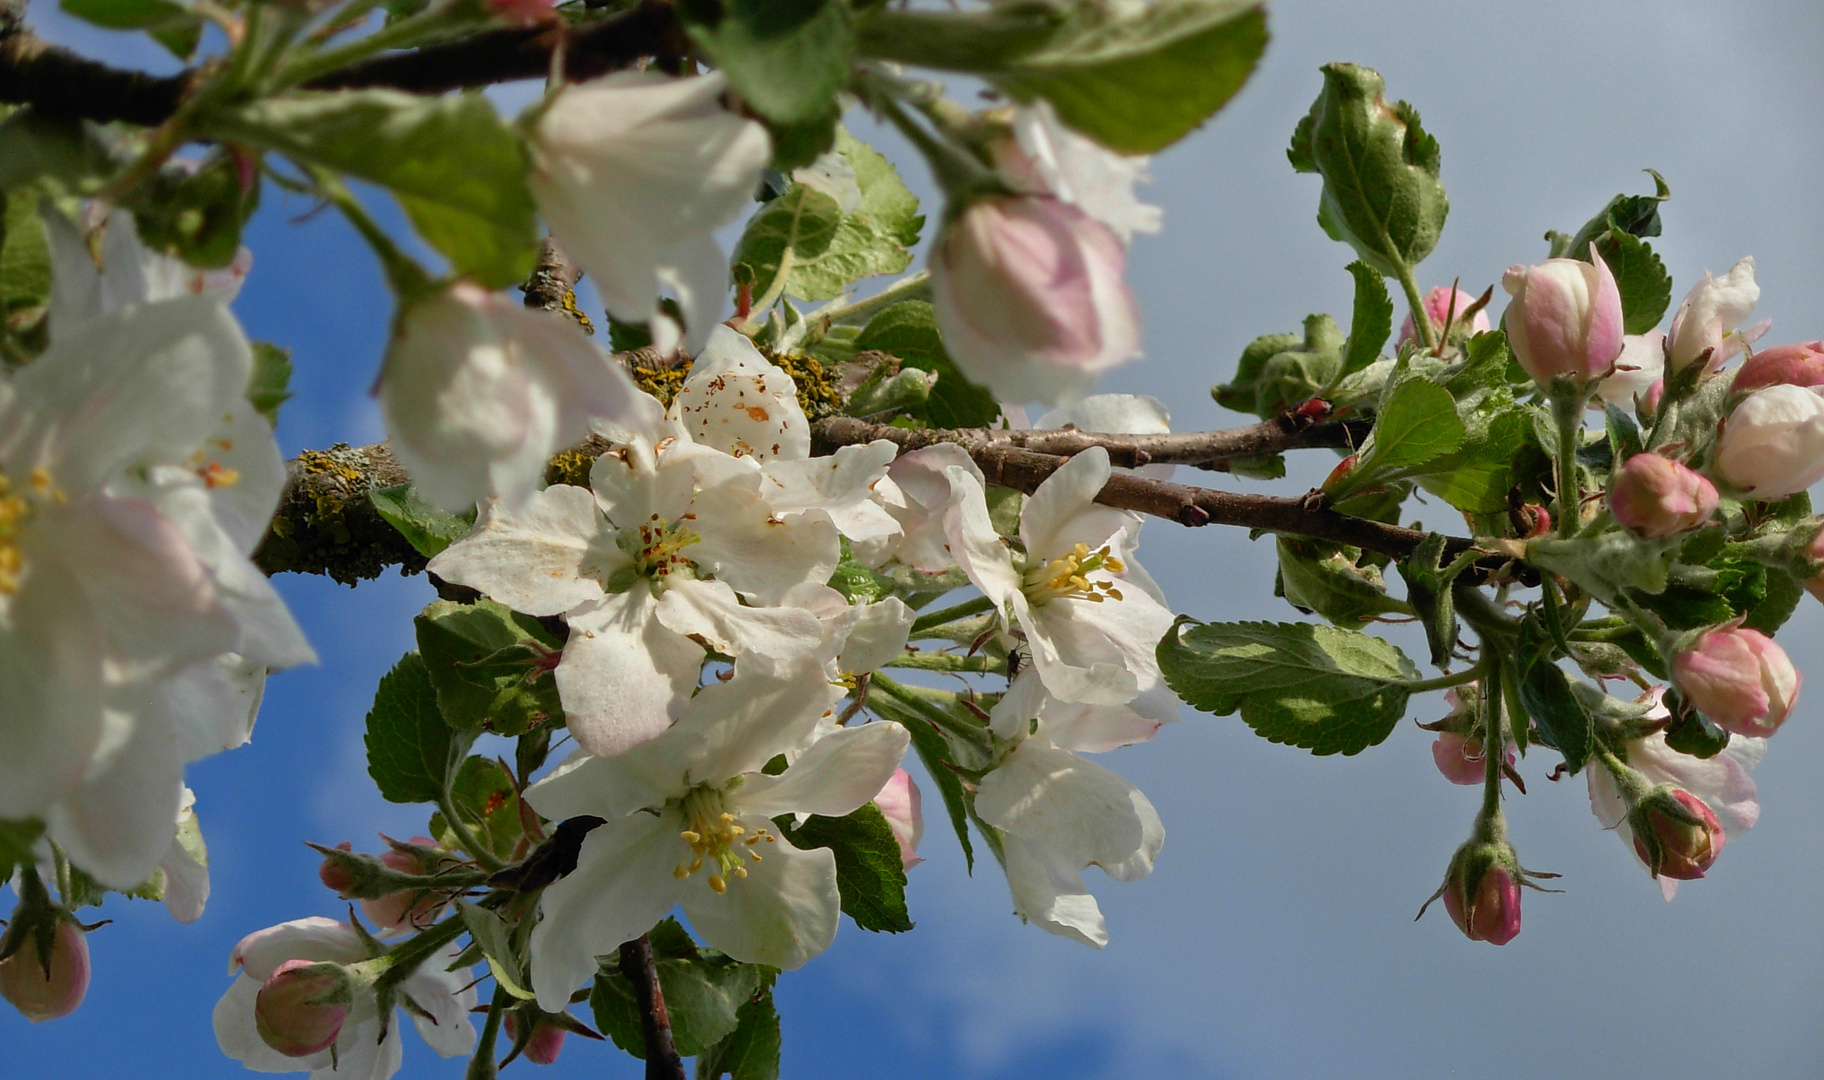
x=1640, y=367
x=1710, y=317
x=1091, y=622
x=1657, y=497
x=858, y=637
x=687, y=818
x=1482, y=892
x=1446, y=302
x=361, y=1049
x=900, y=804
x=661, y=553
x=635, y=171
x=1739, y=678
x=1565, y=318
x=1041, y=156
x=479, y=391
x=45, y=991
x=1772, y=445
x=1030, y=298
x=1790, y=365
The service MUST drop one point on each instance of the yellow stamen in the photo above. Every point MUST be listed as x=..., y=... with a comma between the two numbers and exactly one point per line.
x=1067, y=577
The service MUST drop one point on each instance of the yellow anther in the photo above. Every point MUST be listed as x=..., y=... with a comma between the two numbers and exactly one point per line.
x=716, y=883
x=690, y=837
x=741, y=871
x=680, y=872
x=1067, y=576
x=41, y=480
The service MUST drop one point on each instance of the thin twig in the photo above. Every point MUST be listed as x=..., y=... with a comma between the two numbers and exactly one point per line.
x=662, y=1061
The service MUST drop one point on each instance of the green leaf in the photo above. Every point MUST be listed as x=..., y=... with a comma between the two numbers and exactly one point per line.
x=25, y=257
x=1637, y=215
x=752, y=1052
x=483, y=793
x=490, y=936
x=61, y=152
x=1560, y=718
x=1428, y=583
x=1325, y=579
x=1380, y=168
x=870, y=875
x=1280, y=370
x=908, y=330
x=270, y=384
x=786, y=58
x=704, y=991
x=1137, y=78
x=427, y=528
x=858, y=583
x=410, y=750
x=845, y=217
x=16, y=840
x=1372, y=323
x=1646, y=288
x=129, y=14
x=489, y=665
x=935, y=752
x=1417, y=423
x=459, y=172
x=195, y=215
x=1327, y=690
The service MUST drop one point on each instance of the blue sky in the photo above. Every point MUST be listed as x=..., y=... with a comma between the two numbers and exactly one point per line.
x=1275, y=939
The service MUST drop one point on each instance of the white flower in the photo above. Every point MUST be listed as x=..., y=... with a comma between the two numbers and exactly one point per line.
x=688, y=818
x=1062, y=813
x=134, y=481
x=1641, y=364
x=478, y=392
x=1091, y=622
x=443, y=999
x=635, y=171
x=1045, y=157
x=1711, y=316
x=663, y=551
x=184, y=871
x=1772, y=444
x=1722, y=782
x=857, y=638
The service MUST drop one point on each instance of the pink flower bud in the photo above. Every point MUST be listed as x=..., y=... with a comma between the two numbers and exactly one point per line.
x=899, y=801
x=1657, y=497
x=300, y=1009
x=412, y=908
x=1740, y=679
x=1493, y=914
x=1029, y=296
x=24, y=983
x=1460, y=758
x=1565, y=318
x=1791, y=365
x=1438, y=305
x=546, y=1043
x=1772, y=445
x=336, y=877
x=1676, y=835
x=523, y=12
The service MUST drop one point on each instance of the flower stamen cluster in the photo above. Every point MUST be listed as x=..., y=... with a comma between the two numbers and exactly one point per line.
x=1067, y=577
x=718, y=837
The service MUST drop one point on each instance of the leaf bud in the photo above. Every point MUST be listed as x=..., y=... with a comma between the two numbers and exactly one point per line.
x=1772, y=444
x=1782, y=365
x=1657, y=497
x=301, y=1007
x=44, y=989
x=1564, y=320
x=1482, y=891
x=1739, y=678
x=1675, y=833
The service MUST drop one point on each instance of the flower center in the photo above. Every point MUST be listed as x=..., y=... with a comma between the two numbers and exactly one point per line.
x=17, y=508
x=1067, y=576
x=658, y=548
x=717, y=839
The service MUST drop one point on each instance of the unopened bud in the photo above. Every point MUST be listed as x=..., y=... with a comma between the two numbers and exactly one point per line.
x=301, y=1008
x=1482, y=892
x=1739, y=678
x=411, y=908
x=336, y=877
x=546, y=1043
x=42, y=994
x=1772, y=445
x=1657, y=497
x=1444, y=303
x=1790, y=365
x=1676, y=834
x=1565, y=318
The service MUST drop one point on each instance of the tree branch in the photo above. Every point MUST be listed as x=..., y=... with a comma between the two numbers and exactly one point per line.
x=662, y=1061
x=326, y=524
x=57, y=81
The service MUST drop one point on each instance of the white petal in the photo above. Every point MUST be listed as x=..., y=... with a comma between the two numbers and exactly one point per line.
x=239, y=1037
x=1113, y=414
x=782, y=914
x=622, y=884
x=1085, y=814
x=973, y=543
x=710, y=610
x=760, y=554
x=1063, y=511
x=362, y=1054
x=544, y=559
x=624, y=676
x=838, y=481
x=260, y=953
x=50, y=714
x=768, y=708
x=878, y=635
x=740, y=403
x=447, y=996
x=833, y=777
x=118, y=823
x=1051, y=894
x=212, y=705
x=268, y=633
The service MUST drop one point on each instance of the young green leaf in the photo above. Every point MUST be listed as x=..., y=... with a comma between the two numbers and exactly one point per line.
x=489, y=665
x=459, y=172
x=173, y=25
x=25, y=258
x=752, y=1051
x=483, y=793
x=1329, y=691
x=1380, y=168
x=427, y=528
x=410, y=750
x=1417, y=423
x=704, y=991
x=934, y=751
x=1281, y=370
x=197, y=214
x=490, y=936
x=1372, y=323
x=1322, y=578
x=270, y=384
x=1637, y=215
x=786, y=58
x=1560, y=718
x=1645, y=286
x=870, y=875
x=908, y=330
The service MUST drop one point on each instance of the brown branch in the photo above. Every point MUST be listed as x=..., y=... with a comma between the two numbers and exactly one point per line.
x=662, y=1061
x=61, y=83
x=552, y=286
x=326, y=524
x=1206, y=449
